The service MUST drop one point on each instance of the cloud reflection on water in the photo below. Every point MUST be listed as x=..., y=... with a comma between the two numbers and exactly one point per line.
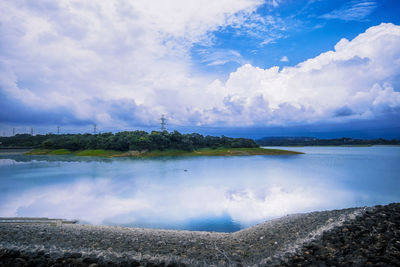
x=118, y=201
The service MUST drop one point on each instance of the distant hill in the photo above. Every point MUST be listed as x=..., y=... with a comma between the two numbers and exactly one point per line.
x=312, y=141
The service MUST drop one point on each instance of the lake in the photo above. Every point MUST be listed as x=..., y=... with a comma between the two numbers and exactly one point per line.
x=197, y=193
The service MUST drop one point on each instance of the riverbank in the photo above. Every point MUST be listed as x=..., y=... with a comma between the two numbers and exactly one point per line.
x=357, y=236
x=167, y=153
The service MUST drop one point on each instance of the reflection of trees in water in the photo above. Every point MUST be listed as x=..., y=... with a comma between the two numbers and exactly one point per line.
x=68, y=158
x=20, y=157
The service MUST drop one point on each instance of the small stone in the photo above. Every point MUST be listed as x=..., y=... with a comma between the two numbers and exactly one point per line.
x=41, y=253
x=75, y=255
x=89, y=260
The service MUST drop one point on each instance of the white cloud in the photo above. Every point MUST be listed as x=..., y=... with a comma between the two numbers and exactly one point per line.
x=353, y=10
x=214, y=57
x=62, y=54
x=100, y=59
x=284, y=59
x=274, y=3
x=357, y=76
x=265, y=28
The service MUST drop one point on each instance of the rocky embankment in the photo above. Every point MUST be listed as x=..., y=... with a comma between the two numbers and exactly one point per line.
x=373, y=239
x=357, y=236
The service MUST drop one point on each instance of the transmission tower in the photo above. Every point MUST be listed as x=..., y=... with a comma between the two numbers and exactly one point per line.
x=94, y=128
x=58, y=129
x=163, y=123
x=31, y=130
x=13, y=131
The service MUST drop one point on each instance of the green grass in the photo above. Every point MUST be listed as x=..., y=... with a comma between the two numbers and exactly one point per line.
x=166, y=153
x=60, y=152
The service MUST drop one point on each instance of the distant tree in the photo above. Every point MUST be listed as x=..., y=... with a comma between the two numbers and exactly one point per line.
x=48, y=144
x=123, y=141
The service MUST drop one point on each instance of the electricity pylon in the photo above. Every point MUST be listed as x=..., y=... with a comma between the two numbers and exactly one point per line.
x=163, y=123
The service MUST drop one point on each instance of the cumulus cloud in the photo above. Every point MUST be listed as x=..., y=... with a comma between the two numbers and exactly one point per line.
x=121, y=63
x=353, y=81
x=64, y=54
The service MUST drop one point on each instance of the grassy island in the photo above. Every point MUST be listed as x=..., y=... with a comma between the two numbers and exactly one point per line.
x=138, y=144
x=166, y=153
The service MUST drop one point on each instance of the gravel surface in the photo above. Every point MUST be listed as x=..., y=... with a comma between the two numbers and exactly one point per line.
x=355, y=236
x=373, y=239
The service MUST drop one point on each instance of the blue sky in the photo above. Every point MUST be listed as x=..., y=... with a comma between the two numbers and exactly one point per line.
x=301, y=29
x=242, y=68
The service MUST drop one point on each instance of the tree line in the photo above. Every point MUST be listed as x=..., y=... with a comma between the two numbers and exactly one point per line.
x=312, y=141
x=128, y=140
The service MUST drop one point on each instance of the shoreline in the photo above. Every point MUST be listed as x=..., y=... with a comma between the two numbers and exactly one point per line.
x=290, y=240
x=166, y=153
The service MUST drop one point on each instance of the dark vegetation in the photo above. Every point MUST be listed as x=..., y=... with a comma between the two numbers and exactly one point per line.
x=311, y=141
x=124, y=141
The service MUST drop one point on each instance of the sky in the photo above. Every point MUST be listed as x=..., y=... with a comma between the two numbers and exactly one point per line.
x=249, y=68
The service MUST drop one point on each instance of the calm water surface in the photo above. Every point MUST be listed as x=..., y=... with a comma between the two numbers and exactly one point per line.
x=198, y=193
